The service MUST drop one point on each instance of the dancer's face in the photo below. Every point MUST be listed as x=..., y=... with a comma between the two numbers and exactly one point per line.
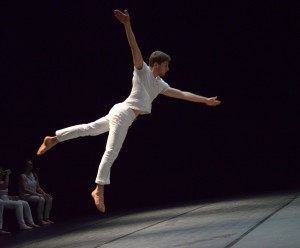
x=161, y=69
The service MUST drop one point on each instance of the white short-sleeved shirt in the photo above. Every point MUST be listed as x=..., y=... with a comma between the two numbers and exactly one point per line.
x=145, y=88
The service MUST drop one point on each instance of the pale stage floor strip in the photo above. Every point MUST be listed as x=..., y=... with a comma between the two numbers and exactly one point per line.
x=265, y=220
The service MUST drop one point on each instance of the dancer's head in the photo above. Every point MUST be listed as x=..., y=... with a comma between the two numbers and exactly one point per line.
x=159, y=63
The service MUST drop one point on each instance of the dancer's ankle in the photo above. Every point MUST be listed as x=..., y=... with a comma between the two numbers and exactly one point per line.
x=53, y=140
x=99, y=189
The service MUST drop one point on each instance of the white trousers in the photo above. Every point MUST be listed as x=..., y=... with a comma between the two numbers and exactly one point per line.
x=22, y=208
x=44, y=205
x=117, y=122
x=1, y=213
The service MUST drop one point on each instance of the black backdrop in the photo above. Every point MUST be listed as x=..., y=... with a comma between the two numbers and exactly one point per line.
x=68, y=62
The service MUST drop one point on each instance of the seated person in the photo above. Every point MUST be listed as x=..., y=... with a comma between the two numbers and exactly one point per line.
x=13, y=203
x=2, y=232
x=31, y=191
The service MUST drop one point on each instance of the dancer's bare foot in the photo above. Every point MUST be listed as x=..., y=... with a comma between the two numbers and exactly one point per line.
x=48, y=143
x=98, y=195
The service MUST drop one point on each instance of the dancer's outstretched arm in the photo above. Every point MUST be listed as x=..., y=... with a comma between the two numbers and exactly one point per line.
x=124, y=18
x=188, y=96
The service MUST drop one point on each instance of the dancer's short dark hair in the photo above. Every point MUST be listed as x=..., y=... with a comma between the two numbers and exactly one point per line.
x=158, y=57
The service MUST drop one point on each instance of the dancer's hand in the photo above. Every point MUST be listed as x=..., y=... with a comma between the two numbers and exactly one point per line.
x=212, y=101
x=122, y=17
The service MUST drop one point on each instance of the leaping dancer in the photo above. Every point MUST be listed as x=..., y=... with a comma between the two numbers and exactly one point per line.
x=147, y=84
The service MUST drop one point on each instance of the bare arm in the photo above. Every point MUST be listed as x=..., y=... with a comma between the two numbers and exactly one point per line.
x=135, y=50
x=40, y=190
x=188, y=96
x=38, y=187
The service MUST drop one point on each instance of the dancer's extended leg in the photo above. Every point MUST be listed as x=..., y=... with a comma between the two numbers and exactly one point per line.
x=47, y=144
x=98, y=195
x=91, y=129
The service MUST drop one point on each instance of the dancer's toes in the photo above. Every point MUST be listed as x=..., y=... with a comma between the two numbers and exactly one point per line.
x=48, y=143
x=99, y=201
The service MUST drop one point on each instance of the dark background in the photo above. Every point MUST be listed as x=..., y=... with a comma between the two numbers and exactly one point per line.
x=68, y=62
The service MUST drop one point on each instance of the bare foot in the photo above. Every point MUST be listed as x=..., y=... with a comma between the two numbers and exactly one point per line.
x=26, y=228
x=34, y=225
x=49, y=221
x=98, y=196
x=48, y=143
x=43, y=223
x=2, y=232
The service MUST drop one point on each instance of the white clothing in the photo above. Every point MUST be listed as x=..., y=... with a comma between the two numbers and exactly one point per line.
x=30, y=184
x=1, y=213
x=22, y=208
x=117, y=122
x=44, y=205
x=145, y=88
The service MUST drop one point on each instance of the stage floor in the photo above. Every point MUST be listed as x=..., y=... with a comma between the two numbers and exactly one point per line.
x=264, y=220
